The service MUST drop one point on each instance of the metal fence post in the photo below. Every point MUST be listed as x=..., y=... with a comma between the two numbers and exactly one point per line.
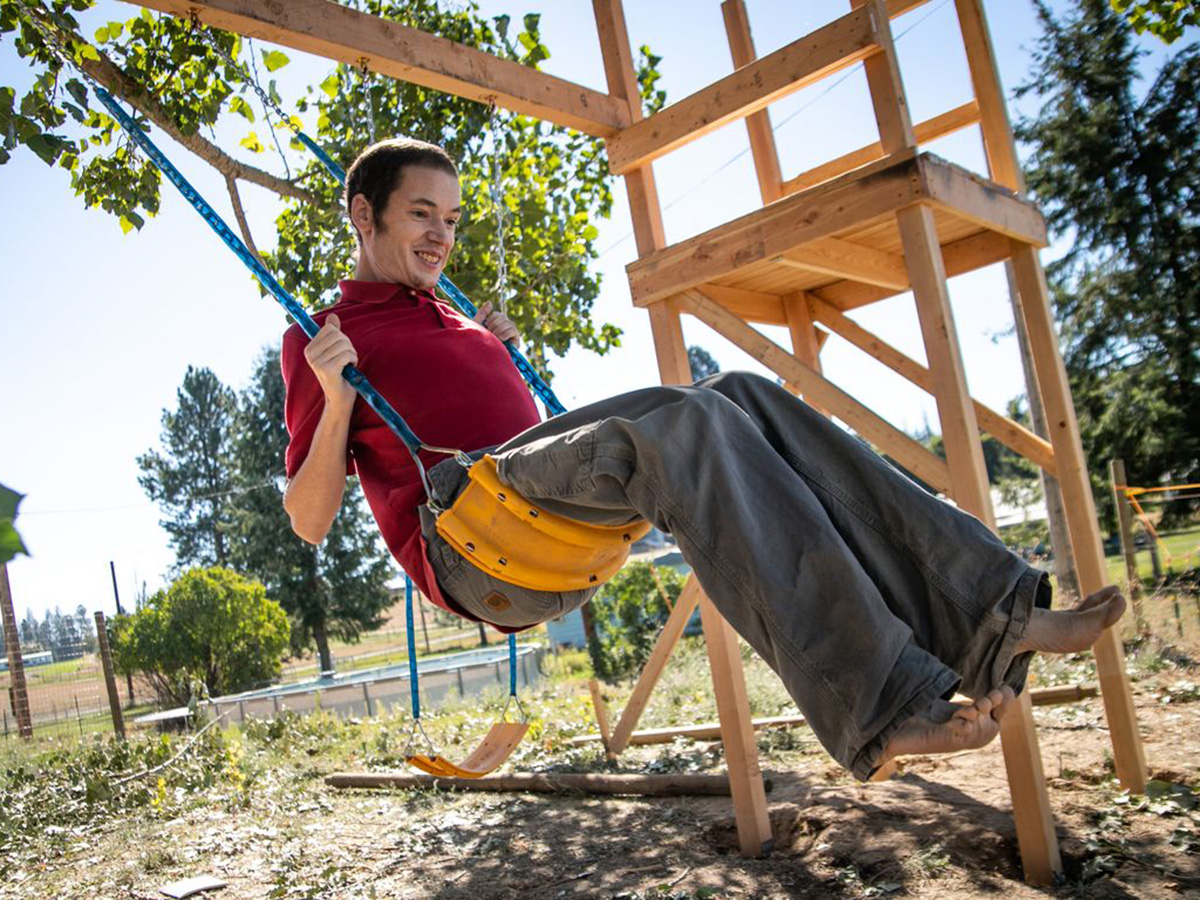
x=110, y=678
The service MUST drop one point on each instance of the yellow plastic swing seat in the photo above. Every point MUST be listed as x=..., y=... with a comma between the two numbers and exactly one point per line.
x=501, y=532
x=497, y=746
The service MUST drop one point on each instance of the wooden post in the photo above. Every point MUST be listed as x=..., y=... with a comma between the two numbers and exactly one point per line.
x=17, y=692
x=1128, y=754
x=1056, y=514
x=1133, y=582
x=750, y=804
x=758, y=124
x=110, y=679
x=601, y=715
x=1005, y=168
x=805, y=346
x=741, y=750
x=1036, y=838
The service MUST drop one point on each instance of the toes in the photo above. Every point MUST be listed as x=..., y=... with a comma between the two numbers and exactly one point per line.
x=1100, y=597
x=1007, y=697
x=967, y=713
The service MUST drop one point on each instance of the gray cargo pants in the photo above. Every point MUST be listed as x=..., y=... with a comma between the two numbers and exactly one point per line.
x=870, y=598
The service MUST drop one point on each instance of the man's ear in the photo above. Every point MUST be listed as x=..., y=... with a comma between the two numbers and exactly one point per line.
x=361, y=214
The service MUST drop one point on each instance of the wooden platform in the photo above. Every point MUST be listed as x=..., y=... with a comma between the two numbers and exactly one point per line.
x=840, y=240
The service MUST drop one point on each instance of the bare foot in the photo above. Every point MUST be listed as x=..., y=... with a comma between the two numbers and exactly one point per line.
x=968, y=727
x=1072, y=630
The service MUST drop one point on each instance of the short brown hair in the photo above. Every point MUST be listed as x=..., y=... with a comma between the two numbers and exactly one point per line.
x=377, y=170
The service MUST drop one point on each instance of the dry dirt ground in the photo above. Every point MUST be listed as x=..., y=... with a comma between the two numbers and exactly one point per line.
x=941, y=829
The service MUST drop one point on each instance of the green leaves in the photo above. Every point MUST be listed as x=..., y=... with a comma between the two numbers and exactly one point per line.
x=1165, y=19
x=274, y=59
x=332, y=85
x=10, y=541
x=242, y=108
x=252, y=143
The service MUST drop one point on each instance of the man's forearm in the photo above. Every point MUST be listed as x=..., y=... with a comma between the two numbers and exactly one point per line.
x=314, y=495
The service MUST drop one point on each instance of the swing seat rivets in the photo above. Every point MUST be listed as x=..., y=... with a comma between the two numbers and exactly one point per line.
x=533, y=514
x=501, y=497
x=503, y=561
x=593, y=579
x=470, y=547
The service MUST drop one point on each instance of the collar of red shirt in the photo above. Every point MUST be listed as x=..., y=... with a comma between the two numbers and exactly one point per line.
x=379, y=291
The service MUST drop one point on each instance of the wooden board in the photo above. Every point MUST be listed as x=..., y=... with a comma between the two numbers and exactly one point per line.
x=841, y=239
x=827, y=50
x=337, y=32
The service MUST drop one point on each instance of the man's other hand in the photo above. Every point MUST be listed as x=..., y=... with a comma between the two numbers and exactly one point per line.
x=497, y=323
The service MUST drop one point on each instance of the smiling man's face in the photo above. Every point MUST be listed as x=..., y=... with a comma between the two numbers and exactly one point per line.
x=410, y=241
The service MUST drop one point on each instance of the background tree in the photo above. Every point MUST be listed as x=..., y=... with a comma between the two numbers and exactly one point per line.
x=701, y=363
x=627, y=615
x=335, y=591
x=1165, y=19
x=191, y=477
x=1121, y=175
x=212, y=625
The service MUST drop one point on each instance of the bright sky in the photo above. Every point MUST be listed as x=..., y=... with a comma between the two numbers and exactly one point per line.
x=99, y=327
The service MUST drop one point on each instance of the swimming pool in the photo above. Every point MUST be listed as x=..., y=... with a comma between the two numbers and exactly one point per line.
x=370, y=691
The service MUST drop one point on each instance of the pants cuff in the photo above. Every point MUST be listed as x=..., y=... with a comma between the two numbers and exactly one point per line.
x=1009, y=667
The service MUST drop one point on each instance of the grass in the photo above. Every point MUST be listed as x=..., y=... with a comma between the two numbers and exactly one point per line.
x=1182, y=546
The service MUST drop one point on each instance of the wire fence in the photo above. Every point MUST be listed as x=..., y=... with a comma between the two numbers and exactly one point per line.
x=66, y=691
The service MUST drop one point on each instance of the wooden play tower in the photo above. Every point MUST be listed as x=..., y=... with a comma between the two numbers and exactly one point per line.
x=881, y=221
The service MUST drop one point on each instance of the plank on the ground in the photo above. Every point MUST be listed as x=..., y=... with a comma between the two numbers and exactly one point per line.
x=556, y=783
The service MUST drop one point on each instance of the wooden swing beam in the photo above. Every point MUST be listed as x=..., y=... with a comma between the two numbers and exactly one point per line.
x=877, y=222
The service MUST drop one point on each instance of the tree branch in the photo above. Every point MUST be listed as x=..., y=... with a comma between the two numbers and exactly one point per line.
x=116, y=81
x=240, y=215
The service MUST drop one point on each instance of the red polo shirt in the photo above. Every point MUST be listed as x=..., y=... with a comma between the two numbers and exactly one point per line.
x=451, y=380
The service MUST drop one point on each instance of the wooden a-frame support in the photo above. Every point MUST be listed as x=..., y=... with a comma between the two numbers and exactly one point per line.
x=871, y=224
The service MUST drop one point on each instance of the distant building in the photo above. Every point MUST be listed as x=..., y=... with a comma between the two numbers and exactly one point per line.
x=41, y=658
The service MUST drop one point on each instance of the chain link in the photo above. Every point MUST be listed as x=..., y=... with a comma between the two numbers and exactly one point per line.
x=497, y=191
x=365, y=75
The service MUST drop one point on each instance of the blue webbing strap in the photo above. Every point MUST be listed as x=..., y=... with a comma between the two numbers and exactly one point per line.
x=412, y=652
x=412, y=648
x=465, y=306
x=512, y=665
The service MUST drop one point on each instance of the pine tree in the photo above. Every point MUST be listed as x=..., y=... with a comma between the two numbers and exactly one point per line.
x=190, y=478
x=1121, y=175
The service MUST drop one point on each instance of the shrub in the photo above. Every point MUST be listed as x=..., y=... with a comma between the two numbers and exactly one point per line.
x=627, y=615
x=211, y=630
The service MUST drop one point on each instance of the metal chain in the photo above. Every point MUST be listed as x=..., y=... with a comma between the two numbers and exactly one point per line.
x=365, y=75
x=265, y=98
x=287, y=170
x=497, y=191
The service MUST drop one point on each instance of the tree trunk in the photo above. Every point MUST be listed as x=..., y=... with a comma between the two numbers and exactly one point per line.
x=483, y=641
x=322, y=640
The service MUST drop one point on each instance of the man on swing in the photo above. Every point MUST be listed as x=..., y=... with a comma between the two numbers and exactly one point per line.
x=873, y=601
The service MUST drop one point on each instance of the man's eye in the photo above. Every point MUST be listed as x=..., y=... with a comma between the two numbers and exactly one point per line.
x=453, y=223
x=419, y=213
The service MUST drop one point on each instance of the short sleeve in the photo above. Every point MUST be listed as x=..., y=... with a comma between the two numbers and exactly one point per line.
x=304, y=403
